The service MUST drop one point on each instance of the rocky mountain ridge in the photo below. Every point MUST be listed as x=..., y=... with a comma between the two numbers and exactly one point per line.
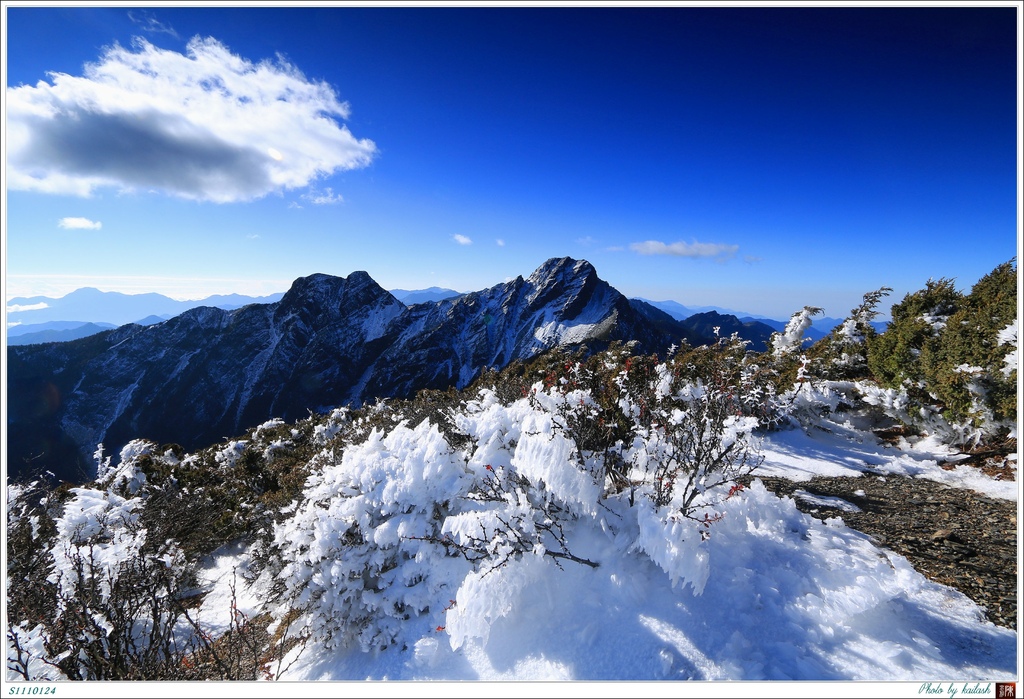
x=208, y=373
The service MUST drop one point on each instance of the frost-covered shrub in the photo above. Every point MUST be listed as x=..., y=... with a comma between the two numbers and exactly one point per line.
x=99, y=576
x=115, y=593
x=813, y=401
x=387, y=534
x=693, y=436
x=1008, y=337
x=129, y=475
x=358, y=556
x=842, y=355
x=327, y=430
x=529, y=476
x=231, y=453
x=791, y=340
x=30, y=604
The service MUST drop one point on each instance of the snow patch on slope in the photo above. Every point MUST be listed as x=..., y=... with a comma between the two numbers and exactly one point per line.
x=573, y=333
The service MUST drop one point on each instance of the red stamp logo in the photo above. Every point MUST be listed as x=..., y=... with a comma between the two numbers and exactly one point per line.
x=1006, y=690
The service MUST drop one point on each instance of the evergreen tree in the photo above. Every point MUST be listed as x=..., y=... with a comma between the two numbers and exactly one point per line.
x=965, y=370
x=898, y=356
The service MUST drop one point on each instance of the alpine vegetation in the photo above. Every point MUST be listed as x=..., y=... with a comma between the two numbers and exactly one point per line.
x=578, y=514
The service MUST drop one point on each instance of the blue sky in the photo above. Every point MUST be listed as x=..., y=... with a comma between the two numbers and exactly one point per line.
x=758, y=159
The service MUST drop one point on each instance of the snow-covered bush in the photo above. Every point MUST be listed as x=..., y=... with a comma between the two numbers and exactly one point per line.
x=696, y=440
x=327, y=430
x=387, y=534
x=1008, y=336
x=128, y=475
x=100, y=576
x=791, y=340
x=31, y=508
x=115, y=594
x=396, y=529
x=359, y=554
x=693, y=433
x=842, y=355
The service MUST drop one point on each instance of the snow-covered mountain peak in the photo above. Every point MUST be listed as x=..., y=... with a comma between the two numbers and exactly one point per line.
x=563, y=283
x=324, y=294
x=562, y=271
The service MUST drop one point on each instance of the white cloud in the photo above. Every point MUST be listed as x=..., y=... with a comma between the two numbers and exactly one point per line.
x=500, y=242
x=717, y=250
x=320, y=198
x=79, y=222
x=585, y=241
x=462, y=240
x=148, y=22
x=15, y=308
x=206, y=125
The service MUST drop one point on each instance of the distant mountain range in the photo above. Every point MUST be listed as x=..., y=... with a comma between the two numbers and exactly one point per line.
x=434, y=293
x=94, y=306
x=821, y=326
x=209, y=373
x=681, y=312
x=54, y=331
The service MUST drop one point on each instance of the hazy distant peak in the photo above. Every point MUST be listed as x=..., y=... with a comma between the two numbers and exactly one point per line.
x=411, y=297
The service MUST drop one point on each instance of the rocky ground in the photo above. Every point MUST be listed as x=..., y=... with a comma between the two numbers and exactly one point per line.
x=953, y=536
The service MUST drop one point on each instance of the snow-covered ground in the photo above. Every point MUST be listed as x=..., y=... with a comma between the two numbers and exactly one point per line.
x=759, y=593
x=783, y=596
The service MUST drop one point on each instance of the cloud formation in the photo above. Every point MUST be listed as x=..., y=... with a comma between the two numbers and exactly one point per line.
x=15, y=308
x=462, y=240
x=148, y=22
x=79, y=222
x=718, y=251
x=206, y=125
x=322, y=197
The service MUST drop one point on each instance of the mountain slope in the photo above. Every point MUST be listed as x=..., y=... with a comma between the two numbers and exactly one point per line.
x=757, y=333
x=563, y=302
x=209, y=373
x=33, y=335
x=200, y=375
